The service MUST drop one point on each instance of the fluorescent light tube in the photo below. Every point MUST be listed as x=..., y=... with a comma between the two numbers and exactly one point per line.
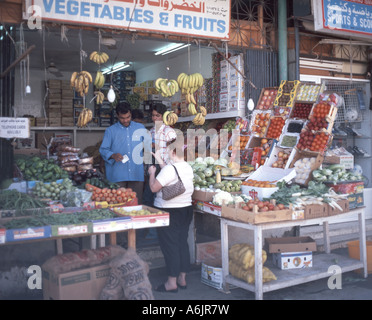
x=184, y=46
x=171, y=48
x=116, y=67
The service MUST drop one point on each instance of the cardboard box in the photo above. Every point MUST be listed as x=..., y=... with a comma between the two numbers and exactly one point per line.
x=207, y=196
x=82, y=284
x=265, y=173
x=290, y=244
x=354, y=189
x=344, y=204
x=293, y=260
x=72, y=229
x=211, y=273
x=208, y=251
x=112, y=225
x=241, y=215
x=307, y=154
x=208, y=207
x=145, y=221
x=236, y=105
x=31, y=233
x=291, y=252
x=274, y=156
x=315, y=211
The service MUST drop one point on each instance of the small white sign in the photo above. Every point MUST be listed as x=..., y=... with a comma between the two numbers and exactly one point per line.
x=14, y=127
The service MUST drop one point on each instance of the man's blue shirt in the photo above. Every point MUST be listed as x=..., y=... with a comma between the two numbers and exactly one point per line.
x=124, y=140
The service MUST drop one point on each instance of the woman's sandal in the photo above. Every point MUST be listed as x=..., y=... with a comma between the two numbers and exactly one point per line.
x=182, y=287
x=162, y=288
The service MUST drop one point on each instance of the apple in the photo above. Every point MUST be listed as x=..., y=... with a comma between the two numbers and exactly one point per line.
x=266, y=92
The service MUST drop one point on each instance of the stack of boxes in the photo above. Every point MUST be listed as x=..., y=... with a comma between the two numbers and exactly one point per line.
x=54, y=103
x=232, y=88
x=67, y=111
x=216, y=82
x=59, y=104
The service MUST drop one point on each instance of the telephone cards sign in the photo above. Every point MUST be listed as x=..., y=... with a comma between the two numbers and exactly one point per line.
x=200, y=18
x=340, y=16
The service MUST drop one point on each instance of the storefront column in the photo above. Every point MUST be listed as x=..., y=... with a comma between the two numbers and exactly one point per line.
x=282, y=39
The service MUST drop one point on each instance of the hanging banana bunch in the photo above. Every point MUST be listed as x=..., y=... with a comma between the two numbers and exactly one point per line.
x=199, y=119
x=190, y=83
x=80, y=81
x=99, y=80
x=167, y=88
x=170, y=118
x=85, y=116
x=99, y=97
x=99, y=57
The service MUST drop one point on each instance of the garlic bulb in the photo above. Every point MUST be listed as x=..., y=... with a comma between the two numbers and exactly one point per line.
x=111, y=95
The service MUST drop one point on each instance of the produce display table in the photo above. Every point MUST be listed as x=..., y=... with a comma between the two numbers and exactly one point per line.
x=93, y=237
x=287, y=278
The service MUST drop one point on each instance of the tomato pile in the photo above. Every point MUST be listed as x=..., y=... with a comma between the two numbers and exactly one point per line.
x=263, y=206
x=111, y=196
x=275, y=128
x=261, y=122
x=301, y=110
x=317, y=124
x=321, y=110
x=259, y=184
x=316, y=142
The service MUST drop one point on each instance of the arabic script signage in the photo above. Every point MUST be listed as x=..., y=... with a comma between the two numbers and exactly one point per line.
x=350, y=16
x=14, y=127
x=199, y=18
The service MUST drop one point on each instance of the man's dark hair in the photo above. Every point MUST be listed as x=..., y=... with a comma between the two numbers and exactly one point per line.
x=137, y=114
x=159, y=108
x=123, y=108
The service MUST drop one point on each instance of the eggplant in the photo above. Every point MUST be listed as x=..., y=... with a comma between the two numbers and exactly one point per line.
x=78, y=179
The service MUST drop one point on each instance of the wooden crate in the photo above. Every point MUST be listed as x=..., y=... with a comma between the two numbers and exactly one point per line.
x=41, y=122
x=67, y=122
x=254, y=217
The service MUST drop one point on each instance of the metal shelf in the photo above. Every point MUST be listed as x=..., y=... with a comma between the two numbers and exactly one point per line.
x=220, y=115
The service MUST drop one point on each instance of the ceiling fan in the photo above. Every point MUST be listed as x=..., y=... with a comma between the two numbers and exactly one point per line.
x=54, y=70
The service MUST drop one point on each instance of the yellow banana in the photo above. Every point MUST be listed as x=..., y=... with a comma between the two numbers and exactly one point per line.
x=73, y=78
x=203, y=110
x=192, y=98
x=91, y=56
x=165, y=117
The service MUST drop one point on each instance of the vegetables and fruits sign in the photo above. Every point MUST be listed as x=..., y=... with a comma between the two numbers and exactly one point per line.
x=199, y=18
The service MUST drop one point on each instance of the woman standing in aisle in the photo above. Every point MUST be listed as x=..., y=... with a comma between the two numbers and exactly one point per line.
x=173, y=238
x=160, y=134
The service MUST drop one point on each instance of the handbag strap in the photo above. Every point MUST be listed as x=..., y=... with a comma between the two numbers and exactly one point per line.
x=177, y=172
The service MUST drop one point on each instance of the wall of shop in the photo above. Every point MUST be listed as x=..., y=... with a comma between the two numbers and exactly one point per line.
x=200, y=61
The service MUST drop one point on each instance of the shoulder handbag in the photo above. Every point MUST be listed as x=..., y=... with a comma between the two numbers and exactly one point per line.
x=173, y=190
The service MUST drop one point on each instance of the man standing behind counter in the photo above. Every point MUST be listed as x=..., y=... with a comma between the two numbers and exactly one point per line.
x=122, y=151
